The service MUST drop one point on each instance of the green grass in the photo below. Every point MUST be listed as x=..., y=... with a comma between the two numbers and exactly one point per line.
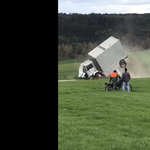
x=68, y=61
x=68, y=69
x=91, y=119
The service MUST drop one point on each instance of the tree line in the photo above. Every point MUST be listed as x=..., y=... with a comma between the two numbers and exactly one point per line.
x=80, y=33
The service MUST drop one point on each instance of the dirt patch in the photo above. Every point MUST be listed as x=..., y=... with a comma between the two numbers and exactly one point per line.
x=138, y=62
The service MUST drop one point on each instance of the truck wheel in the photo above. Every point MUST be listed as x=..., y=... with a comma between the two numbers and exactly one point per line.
x=122, y=63
x=108, y=88
x=91, y=78
x=97, y=75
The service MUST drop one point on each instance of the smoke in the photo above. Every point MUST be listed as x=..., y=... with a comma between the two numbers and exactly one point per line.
x=138, y=61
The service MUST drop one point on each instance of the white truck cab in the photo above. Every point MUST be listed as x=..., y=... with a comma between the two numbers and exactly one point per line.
x=87, y=69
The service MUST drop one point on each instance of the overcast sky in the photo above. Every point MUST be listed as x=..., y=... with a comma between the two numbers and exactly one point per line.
x=104, y=6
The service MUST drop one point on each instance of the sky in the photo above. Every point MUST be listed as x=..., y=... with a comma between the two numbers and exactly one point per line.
x=104, y=6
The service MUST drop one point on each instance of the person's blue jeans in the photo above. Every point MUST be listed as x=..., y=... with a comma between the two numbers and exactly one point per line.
x=125, y=84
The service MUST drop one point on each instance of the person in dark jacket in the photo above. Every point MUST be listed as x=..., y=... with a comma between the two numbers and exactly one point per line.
x=125, y=79
x=114, y=78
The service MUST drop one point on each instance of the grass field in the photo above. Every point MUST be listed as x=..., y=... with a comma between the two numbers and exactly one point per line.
x=139, y=63
x=68, y=70
x=91, y=119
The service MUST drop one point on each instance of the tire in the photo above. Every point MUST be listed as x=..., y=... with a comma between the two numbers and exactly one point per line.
x=97, y=75
x=117, y=88
x=130, y=88
x=91, y=78
x=108, y=88
x=122, y=63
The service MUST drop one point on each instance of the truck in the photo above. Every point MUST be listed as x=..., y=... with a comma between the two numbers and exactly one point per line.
x=104, y=59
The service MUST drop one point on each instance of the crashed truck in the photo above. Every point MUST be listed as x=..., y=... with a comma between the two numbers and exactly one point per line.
x=104, y=59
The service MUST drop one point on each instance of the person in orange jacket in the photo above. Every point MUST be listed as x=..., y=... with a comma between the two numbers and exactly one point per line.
x=114, y=78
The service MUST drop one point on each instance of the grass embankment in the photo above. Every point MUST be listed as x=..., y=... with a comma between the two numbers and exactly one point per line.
x=91, y=119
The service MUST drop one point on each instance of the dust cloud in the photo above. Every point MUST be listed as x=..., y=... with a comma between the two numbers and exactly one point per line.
x=138, y=64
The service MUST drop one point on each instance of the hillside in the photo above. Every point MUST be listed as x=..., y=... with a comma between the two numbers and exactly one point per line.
x=78, y=33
